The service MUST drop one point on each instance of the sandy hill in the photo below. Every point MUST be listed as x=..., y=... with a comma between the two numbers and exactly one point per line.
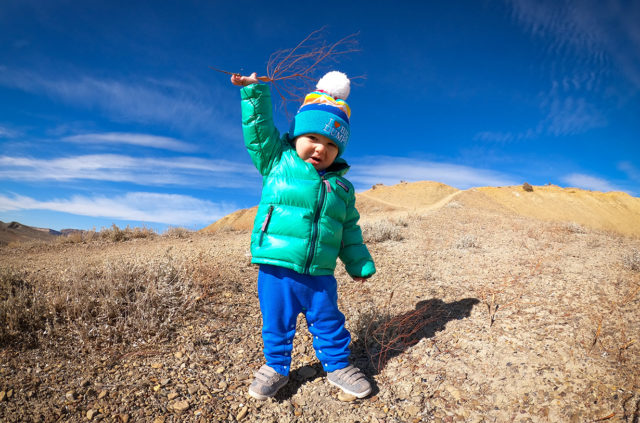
x=611, y=211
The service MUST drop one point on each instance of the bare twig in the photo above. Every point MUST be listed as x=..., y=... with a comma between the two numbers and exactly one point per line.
x=291, y=71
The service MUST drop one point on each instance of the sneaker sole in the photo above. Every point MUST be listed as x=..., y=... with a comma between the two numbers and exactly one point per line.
x=259, y=396
x=355, y=394
x=262, y=397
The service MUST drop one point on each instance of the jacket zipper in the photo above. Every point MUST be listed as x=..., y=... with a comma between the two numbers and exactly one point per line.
x=265, y=224
x=316, y=219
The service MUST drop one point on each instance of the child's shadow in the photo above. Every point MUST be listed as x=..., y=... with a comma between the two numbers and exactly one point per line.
x=379, y=338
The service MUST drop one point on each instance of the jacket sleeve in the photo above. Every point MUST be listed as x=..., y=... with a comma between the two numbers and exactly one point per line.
x=353, y=252
x=261, y=137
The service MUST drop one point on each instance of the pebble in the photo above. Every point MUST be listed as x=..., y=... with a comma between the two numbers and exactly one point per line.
x=172, y=396
x=102, y=394
x=242, y=413
x=156, y=365
x=91, y=414
x=220, y=370
x=124, y=418
x=180, y=406
x=3, y=395
x=344, y=397
x=70, y=396
x=178, y=355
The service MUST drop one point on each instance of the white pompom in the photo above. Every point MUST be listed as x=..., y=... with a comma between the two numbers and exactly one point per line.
x=336, y=84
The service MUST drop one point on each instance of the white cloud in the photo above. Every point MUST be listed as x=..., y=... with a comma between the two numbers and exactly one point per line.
x=144, y=140
x=170, y=103
x=172, y=209
x=391, y=170
x=186, y=171
x=580, y=180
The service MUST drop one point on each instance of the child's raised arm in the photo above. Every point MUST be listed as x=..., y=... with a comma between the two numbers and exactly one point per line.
x=243, y=81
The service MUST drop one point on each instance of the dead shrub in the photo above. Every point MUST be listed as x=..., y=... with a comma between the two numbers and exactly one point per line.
x=177, y=232
x=575, y=228
x=22, y=312
x=467, y=241
x=380, y=231
x=631, y=260
x=115, y=234
x=126, y=302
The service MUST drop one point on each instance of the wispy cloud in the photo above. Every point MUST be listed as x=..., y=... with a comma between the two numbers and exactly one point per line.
x=7, y=133
x=570, y=116
x=630, y=170
x=604, y=33
x=186, y=171
x=580, y=180
x=176, y=104
x=143, y=140
x=172, y=209
x=391, y=170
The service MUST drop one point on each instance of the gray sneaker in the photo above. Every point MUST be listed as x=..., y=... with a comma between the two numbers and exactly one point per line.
x=266, y=383
x=351, y=380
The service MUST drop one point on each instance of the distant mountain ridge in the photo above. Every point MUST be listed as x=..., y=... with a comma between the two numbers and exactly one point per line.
x=17, y=232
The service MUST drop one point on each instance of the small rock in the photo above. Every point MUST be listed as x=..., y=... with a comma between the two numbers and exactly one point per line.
x=156, y=365
x=172, y=396
x=124, y=418
x=102, y=394
x=344, y=397
x=70, y=396
x=220, y=370
x=9, y=393
x=223, y=385
x=165, y=381
x=241, y=415
x=178, y=355
x=3, y=395
x=180, y=406
x=159, y=419
x=91, y=414
x=156, y=388
x=307, y=372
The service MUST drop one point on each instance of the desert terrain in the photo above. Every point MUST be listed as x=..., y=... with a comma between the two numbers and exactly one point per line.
x=494, y=304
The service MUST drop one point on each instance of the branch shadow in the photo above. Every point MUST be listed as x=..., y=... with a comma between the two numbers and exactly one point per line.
x=380, y=337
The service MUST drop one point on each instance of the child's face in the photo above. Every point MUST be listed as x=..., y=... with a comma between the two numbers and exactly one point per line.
x=316, y=149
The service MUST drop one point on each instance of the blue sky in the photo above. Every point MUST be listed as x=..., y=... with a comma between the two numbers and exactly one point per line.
x=109, y=112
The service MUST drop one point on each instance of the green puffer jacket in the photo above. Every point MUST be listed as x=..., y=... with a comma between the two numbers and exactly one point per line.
x=305, y=221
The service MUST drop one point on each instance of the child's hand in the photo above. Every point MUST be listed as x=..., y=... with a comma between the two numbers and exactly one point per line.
x=359, y=279
x=243, y=81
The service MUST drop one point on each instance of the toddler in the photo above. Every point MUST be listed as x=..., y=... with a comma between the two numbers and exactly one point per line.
x=305, y=221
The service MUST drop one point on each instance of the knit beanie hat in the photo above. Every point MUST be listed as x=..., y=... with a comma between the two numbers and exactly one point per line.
x=325, y=111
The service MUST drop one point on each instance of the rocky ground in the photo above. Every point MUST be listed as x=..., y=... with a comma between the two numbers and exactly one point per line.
x=475, y=315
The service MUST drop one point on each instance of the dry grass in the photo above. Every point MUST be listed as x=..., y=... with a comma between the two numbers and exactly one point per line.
x=103, y=304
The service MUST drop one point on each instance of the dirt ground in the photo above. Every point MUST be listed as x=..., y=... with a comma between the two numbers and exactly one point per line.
x=476, y=314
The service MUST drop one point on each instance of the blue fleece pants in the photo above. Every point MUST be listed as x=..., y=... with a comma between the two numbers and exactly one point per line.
x=283, y=295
